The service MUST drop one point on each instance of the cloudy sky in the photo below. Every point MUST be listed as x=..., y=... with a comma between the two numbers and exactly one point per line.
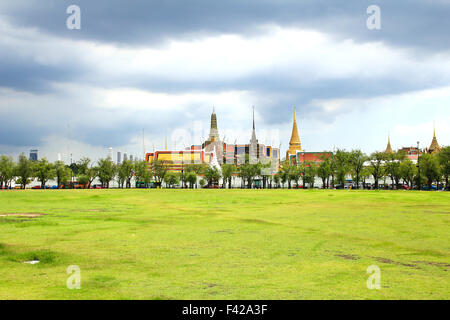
x=160, y=66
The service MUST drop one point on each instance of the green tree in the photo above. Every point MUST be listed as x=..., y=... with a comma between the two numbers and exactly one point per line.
x=289, y=173
x=228, y=170
x=44, y=171
x=430, y=168
x=444, y=160
x=142, y=172
x=7, y=169
x=125, y=172
x=83, y=180
x=171, y=179
x=365, y=174
x=277, y=180
x=299, y=172
x=342, y=166
x=310, y=173
x=24, y=171
x=212, y=175
x=377, y=166
x=324, y=171
x=408, y=170
x=86, y=171
x=159, y=169
x=393, y=163
x=106, y=171
x=356, y=160
x=191, y=178
x=62, y=173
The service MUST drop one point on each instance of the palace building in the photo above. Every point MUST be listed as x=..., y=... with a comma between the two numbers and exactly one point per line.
x=412, y=153
x=237, y=154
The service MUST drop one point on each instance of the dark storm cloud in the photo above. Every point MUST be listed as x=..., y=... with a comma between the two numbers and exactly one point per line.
x=414, y=23
x=417, y=24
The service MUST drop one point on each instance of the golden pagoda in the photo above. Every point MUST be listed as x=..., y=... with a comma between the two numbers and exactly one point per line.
x=389, y=147
x=434, y=147
x=295, y=143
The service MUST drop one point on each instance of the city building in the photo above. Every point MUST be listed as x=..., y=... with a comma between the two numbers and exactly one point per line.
x=34, y=155
x=119, y=157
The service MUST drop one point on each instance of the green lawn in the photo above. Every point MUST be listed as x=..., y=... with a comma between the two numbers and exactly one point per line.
x=225, y=244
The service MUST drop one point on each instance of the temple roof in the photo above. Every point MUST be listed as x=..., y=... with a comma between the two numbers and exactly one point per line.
x=434, y=147
x=389, y=147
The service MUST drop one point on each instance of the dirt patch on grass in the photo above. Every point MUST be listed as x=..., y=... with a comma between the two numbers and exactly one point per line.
x=348, y=256
x=436, y=264
x=436, y=212
x=389, y=261
x=224, y=231
x=22, y=214
x=258, y=221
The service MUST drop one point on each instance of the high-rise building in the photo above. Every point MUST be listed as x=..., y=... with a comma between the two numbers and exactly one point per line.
x=119, y=157
x=131, y=157
x=34, y=155
x=110, y=153
x=125, y=156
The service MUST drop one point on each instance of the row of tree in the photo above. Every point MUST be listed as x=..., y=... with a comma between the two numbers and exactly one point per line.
x=332, y=170
x=24, y=171
x=396, y=167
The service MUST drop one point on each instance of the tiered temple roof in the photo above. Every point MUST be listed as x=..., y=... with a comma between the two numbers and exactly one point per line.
x=434, y=147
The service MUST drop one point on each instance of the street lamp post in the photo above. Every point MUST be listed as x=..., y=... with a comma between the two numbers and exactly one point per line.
x=304, y=170
x=418, y=166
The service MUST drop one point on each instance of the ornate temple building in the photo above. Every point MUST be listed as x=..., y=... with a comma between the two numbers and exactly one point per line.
x=434, y=147
x=389, y=147
x=237, y=154
x=296, y=155
x=412, y=153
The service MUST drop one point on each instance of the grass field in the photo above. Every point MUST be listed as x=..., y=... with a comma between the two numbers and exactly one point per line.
x=224, y=244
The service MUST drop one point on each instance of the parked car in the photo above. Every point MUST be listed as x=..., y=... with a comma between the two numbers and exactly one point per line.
x=36, y=187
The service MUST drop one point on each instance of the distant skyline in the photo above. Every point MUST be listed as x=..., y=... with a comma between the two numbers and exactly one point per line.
x=162, y=66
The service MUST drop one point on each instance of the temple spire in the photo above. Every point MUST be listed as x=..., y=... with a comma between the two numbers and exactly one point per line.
x=253, y=117
x=389, y=147
x=434, y=147
x=295, y=143
x=214, y=131
x=253, y=148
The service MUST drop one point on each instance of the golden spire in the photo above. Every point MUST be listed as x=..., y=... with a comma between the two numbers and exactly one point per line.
x=434, y=147
x=295, y=143
x=389, y=147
